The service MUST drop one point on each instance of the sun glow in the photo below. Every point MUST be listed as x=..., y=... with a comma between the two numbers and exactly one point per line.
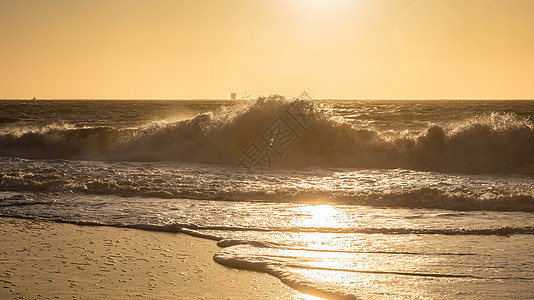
x=319, y=4
x=326, y=216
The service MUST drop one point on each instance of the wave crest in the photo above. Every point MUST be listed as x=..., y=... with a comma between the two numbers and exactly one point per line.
x=492, y=143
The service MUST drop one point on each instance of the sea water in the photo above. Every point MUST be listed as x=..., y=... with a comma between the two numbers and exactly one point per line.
x=339, y=199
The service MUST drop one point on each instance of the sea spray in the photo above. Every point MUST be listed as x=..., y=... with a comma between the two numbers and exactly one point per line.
x=492, y=143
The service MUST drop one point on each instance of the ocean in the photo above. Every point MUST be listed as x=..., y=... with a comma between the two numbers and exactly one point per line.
x=341, y=199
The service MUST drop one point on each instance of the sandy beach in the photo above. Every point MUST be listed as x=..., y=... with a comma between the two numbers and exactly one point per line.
x=47, y=260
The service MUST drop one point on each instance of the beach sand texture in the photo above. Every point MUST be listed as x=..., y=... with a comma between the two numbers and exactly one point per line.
x=46, y=260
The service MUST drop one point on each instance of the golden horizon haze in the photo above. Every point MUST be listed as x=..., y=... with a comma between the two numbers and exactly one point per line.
x=208, y=49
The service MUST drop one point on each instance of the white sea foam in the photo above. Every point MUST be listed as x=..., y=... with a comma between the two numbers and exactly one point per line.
x=373, y=187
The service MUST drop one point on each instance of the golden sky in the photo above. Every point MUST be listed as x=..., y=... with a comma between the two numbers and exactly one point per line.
x=145, y=49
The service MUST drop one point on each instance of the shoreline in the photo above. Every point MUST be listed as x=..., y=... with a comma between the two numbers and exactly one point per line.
x=48, y=260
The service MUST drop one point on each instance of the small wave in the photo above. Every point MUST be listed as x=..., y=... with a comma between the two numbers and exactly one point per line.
x=266, y=265
x=456, y=231
x=492, y=143
x=7, y=120
x=450, y=200
x=51, y=180
x=291, y=269
x=198, y=231
x=301, y=266
x=231, y=242
x=425, y=197
x=19, y=200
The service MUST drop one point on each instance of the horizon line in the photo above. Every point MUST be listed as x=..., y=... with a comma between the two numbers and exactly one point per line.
x=240, y=99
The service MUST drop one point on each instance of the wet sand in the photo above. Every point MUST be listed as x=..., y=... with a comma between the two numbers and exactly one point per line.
x=47, y=260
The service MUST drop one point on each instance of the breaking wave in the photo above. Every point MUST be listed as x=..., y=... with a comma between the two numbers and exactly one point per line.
x=491, y=143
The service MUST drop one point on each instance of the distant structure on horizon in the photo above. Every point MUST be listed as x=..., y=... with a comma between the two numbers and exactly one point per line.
x=233, y=96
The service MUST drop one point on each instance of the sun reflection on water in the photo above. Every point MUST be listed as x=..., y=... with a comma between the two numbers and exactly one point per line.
x=322, y=216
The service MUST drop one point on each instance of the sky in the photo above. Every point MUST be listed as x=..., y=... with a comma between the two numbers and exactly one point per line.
x=189, y=49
